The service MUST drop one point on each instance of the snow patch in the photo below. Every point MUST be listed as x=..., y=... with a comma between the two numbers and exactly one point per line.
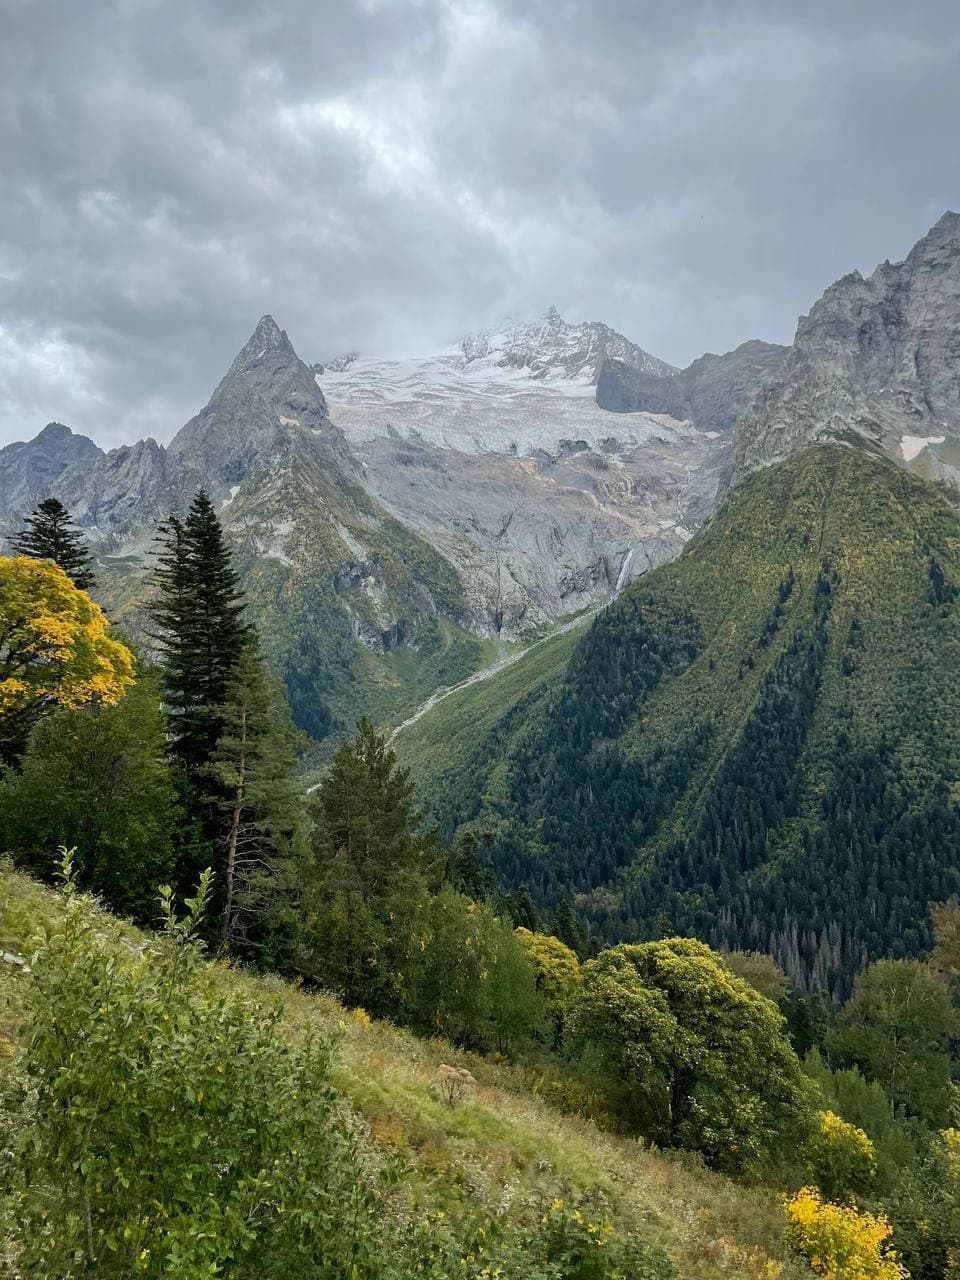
x=479, y=408
x=289, y=422
x=910, y=446
x=234, y=490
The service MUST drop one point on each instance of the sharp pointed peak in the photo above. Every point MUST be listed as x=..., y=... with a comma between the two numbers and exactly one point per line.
x=267, y=339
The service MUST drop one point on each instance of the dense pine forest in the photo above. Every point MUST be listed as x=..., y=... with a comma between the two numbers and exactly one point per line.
x=700, y=892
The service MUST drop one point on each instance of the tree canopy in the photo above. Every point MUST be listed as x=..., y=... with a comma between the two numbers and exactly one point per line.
x=55, y=649
x=46, y=535
x=698, y=1055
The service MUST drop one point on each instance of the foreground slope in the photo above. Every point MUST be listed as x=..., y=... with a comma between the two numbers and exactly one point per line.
x=503, y=1148
x=759, y=743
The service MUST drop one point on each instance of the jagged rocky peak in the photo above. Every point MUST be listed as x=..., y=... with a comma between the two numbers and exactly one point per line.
x=711, y=392
x=874, y=361
x=337, y=364
x=31, y=469
x=267, y=389
x=551, y=349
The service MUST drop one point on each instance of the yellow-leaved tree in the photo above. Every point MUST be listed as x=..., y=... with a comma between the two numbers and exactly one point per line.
x=839, y=1242
x=840, y=1158
x=55, y=648
x=557, y=971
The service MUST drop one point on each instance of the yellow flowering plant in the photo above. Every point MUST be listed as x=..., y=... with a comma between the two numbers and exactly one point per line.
x=839, y=1242
x=840, y=1158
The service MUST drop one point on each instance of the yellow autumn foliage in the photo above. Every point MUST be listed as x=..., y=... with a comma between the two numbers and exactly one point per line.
x=55, y=647
x=840, y=1157
x=839, y=1242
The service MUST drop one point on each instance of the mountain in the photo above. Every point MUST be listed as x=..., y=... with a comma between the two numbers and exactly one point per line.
x=30, y=470
x=876, y=361
x=549, y=349
x=496, y=452
x=711, y=392
x=381, y=558
x=357, y=613
x=759, y=743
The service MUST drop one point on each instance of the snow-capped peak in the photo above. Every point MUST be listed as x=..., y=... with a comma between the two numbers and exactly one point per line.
x=523, y=388
x=550, y=349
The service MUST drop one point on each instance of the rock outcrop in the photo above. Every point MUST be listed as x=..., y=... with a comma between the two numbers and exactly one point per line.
x=33, y=469
x=875, y=362
x=711, y=392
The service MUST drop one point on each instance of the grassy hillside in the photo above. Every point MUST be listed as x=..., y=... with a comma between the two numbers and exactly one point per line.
x=473, y=722
x=503, y=1147
x=759, y=743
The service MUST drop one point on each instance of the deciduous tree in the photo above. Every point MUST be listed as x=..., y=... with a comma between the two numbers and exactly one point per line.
x=55, y=649
x=699, y=1056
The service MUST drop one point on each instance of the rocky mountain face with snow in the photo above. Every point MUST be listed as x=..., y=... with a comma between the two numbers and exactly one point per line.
x=875, y=362
x=549, y=349
x=393, y=518
x=496, y=451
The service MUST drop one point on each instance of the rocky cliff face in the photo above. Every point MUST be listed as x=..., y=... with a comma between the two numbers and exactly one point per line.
x=875, y=362
x=711, y=392
x=32, y=469
x=497, y=453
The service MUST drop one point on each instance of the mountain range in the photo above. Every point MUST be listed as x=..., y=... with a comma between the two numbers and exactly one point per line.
x=758, y=743
x=398, y=524
x=404, y=526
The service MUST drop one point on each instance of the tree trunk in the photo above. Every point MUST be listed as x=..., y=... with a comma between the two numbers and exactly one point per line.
x=235, y=826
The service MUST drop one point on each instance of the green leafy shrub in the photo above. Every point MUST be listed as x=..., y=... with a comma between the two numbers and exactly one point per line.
x=841, y=1159
x=174, y=1131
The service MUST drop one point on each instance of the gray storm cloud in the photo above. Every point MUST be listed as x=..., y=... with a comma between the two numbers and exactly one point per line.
x=388, y=174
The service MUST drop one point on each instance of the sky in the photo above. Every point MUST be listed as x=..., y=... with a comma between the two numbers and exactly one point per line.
x=388, y=175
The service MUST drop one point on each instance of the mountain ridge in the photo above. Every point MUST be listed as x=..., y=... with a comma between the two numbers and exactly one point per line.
x=875, y=359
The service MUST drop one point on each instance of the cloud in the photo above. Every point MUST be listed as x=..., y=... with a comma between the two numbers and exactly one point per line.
x=388, y=174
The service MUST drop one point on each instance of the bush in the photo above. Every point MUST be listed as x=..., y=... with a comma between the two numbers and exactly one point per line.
x=840, y=1158
x=174, y=1131
x=839, y=1242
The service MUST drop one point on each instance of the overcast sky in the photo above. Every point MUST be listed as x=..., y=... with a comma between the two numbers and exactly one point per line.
x=390, y=174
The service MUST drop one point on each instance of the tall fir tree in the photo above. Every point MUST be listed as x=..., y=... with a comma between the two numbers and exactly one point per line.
x=567, y=928
x=47, y=535
x=261, y=831
x=198, y=615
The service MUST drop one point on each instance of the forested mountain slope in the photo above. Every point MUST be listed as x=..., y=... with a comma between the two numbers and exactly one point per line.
x=759, y=743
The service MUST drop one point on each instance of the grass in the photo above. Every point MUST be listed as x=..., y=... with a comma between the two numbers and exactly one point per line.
x=468, y=717
x=504, y=1144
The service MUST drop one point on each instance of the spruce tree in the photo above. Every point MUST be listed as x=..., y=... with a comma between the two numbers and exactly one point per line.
x=367, y=891
x=467, y=874
x=260, y=825
x=522, y=911
x=567, y=929
x=46, y=535
x=198, y=613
